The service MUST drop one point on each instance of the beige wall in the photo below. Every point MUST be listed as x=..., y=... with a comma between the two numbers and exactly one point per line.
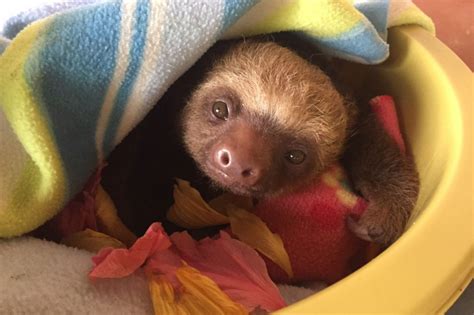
x=454, y=20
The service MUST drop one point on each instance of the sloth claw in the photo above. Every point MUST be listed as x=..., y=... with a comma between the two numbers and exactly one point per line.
x=365, y=231
x=358, y=229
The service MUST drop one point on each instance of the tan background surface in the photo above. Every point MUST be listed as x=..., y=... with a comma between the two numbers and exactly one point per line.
x=454, y=20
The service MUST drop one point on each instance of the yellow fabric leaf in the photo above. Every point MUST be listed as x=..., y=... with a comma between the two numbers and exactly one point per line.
x=190, y=211
x=251, y=230
x=108, y=220
x=198, y=295
x=91, y=241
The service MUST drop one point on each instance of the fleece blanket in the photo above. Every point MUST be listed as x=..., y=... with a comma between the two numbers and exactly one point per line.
x=74, y=83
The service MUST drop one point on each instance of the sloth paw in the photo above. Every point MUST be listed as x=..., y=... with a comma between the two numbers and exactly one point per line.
x=379, y=226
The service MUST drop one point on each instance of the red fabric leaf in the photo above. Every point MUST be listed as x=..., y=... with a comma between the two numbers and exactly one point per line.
x=121, y=262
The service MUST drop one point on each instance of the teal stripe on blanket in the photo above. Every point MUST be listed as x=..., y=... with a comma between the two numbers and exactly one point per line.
x=71, y=88
x=137, y=46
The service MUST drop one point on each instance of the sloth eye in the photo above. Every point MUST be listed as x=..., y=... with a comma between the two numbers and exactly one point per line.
x=295, y=156
x=220, y=110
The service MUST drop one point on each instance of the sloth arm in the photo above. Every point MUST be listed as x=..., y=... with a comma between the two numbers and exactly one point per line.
x=385, y=176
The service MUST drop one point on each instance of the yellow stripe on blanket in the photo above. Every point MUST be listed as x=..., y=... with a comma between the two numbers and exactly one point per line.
x=40, y=189
x=314, y=16
x=413, y=15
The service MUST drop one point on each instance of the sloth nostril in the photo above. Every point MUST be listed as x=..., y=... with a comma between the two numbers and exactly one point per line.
x=224, y=158
x=246, y=173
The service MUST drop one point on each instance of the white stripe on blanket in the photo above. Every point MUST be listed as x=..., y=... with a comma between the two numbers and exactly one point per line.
x=255, y=15
x=123, y=60
x=160, y=55
x=141, y=90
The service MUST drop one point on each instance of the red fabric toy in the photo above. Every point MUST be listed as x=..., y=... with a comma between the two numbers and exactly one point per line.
x=312, y=221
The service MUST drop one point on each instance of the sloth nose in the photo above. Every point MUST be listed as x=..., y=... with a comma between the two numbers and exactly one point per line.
x=242, y=156
x=240, y=165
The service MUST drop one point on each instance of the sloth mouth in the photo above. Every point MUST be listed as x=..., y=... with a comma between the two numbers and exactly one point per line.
x=220, y=172
x=226, y=182
x=245, y=191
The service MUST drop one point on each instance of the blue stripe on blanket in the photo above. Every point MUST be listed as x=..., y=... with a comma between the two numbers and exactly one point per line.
x=377, y=13
x=137, y=46
x=71, y=89
x=234, y=9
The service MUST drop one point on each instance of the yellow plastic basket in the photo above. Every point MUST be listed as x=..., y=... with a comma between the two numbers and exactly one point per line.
x=427, y=269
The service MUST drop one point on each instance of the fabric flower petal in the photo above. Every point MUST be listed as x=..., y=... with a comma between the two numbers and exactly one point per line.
x=91, y=241
x=251, y=230
x=123, y=262
x=108, y=221
x=165, y=263
x=190, y=210
x=228, y=201
x=76, y=216
x=236, y=268
x=198, y=295
x=228, y=208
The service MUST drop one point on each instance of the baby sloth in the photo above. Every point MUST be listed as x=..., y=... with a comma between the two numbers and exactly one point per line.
x=265, y=121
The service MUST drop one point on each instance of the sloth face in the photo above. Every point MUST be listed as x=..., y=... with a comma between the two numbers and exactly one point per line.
x=264, y=120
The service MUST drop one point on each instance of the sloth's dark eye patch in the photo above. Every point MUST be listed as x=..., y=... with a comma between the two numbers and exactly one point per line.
x=295, y=156
x=220, y=110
